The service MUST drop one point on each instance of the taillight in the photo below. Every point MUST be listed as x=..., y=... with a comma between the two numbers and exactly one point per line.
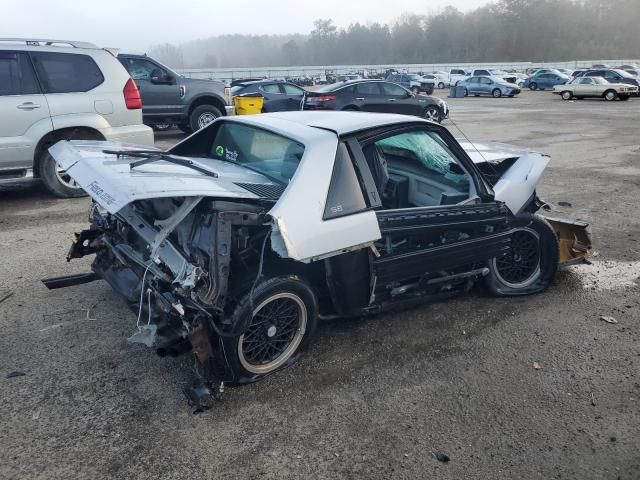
x=324, y=98
x=132, y=95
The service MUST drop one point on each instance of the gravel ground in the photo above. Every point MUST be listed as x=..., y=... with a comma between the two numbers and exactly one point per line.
x=372, y=398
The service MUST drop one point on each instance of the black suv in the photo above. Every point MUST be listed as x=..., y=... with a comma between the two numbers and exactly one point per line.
x=171, y=98
x=376, y=96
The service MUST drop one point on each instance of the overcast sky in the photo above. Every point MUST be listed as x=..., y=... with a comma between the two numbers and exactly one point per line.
x=136, y=24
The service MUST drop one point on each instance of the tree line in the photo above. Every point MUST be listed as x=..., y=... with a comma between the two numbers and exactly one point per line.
x=503, y=31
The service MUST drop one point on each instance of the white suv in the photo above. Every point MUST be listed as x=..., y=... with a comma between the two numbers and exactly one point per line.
x=52, y=90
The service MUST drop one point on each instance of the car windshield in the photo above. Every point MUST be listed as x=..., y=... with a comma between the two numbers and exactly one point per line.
x=494, y=71
x=624, y=74
x=274, y=156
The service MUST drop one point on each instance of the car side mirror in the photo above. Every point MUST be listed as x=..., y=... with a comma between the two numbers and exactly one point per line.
x=456, y=169
x=159, y=77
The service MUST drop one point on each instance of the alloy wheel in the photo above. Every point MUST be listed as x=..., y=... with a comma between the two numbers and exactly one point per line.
x=521, y=266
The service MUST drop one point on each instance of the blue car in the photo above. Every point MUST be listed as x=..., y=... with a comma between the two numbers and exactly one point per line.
x=543, y=81
x=487, y=85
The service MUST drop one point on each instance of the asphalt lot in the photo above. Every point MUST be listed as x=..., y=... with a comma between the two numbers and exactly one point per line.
x=372, y=397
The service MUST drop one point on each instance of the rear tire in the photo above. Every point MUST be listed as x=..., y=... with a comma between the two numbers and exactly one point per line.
x=281, y=318
x=441, y=85
x=56, y=180
x=566, y=95
x=531, y=264
x=533, y=86
x=203, y=115
x=466, y=92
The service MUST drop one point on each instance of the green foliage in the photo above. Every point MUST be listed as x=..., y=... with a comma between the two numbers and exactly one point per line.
x=507, y=30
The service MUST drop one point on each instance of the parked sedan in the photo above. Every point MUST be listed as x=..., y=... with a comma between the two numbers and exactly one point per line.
x=235, y=242
x=376, y=96
x=612, y=75
x=543, y=81
x=595, y=87
x=492, y=86
x=279, y=96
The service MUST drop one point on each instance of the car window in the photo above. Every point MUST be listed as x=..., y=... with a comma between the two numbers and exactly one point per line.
x=273, y=155
x=345, y=195
x=140, y=69
x=482, y=72
x=425, y=155
x=66, y=72
x=369, y=89
x=292, y=89
x=609, y=74
x=485, y=81
x=271, y=88
x=16, y=75
x=393, y=90
x=586, y=81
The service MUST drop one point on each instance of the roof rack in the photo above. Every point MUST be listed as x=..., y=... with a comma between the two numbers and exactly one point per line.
x=44, y=42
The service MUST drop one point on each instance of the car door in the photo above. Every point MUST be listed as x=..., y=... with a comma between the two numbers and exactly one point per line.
x=431, y=219
x=368, y=97
x=485, y=85
x=473, y=85
x=398, y=100
x=25, y=114
x=293, y=94
x=274, y=98
x=159, y=89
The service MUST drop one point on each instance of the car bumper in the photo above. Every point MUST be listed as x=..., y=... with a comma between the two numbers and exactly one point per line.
x=137, y=134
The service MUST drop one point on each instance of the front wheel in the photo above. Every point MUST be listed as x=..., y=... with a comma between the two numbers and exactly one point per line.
x=432, y=113
x=623, y=97
x=610, y=95
x=531, y=263
x=57, y=180
x=202, y=116
x=533, y=86
x=497, y=93
x=281, y=317
x=566, y=95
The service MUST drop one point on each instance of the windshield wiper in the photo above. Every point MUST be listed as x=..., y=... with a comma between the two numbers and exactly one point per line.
x=150, y=156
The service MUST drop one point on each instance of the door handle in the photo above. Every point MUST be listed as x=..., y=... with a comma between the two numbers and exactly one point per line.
x=28, y=106
x=360, y=98
x=392, y=99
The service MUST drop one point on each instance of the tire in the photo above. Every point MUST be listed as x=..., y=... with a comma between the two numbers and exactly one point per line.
x=202, y=115
x=566, y=95
x=624, y=98
x=415, y=90
x=350, y=108
x=497, y=93
x=610, y=95
x=441, y=85
x=56, y=180
x=533, y=86
x=466, y=92
x=429, y=91
x=433, y=114
x=532, y=263
x=245, y=360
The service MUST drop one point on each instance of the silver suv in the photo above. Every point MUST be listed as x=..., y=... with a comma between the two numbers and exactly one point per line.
x=52, y=90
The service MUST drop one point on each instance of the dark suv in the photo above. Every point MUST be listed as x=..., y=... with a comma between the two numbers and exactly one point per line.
x=413, y=82
x=171, y=98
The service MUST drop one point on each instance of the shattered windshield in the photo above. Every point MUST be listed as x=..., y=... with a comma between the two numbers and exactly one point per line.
x=273, y=155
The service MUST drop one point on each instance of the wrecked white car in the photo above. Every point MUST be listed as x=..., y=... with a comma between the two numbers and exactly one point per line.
x=233, y=243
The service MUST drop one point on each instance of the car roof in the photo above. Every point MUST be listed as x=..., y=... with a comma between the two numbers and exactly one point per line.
x=342, y=123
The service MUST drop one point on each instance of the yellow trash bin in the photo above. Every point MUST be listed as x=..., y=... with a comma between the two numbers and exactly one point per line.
x=248, y=104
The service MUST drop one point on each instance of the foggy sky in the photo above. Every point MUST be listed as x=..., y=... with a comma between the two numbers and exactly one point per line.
x=137, y=24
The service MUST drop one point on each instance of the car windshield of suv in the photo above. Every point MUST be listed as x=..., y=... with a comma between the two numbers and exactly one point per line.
x=274, y=156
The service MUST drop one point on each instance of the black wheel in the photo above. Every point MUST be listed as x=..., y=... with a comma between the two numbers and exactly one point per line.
x=202, y=116
x=429, y=91
x=466, y=92
x=566, y=95
x=610, y=95
x=497, y=93
x=281, y=318
x=531, y=263
x=441, y=85
x=351, y=108
x=623, y=97
x=432, y=113
x=57, y=180
x=533, y=86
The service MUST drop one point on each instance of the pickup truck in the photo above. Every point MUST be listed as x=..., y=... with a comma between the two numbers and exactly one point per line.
x=171, y=98
x=489, y=72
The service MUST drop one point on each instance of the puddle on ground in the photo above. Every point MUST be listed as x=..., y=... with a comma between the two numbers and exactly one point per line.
x=608, y=274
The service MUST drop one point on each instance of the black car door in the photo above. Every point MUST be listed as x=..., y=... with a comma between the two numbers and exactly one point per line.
x=438, y=222
x=293, y=95
x=159, y=89
x=274, y=98
x=399, y=100
x=367, y=96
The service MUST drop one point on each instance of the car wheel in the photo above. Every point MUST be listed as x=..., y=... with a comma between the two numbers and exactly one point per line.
x=623, y=97
x=432, y=113
x=441, y=85
x=57, y=180
x=202, y=116
x=497, y=93
x=281, y=315
x=531, y=263
x=566, y=95
x=415, y=90
x=350, y=109
x=466, y=92
x=610, y=95
x=533, y=86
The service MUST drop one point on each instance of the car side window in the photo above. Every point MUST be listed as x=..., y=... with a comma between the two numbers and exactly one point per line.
x=482, y=72
x=271, y=88
x=140, y=69
x=392, y=90
x=292, y=89
x=66, y=72
x=485, y=81
x=345, y=195
x=368, y=89
x=16, y=75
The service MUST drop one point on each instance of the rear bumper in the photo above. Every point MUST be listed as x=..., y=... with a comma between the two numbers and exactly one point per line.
x=138, y=134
